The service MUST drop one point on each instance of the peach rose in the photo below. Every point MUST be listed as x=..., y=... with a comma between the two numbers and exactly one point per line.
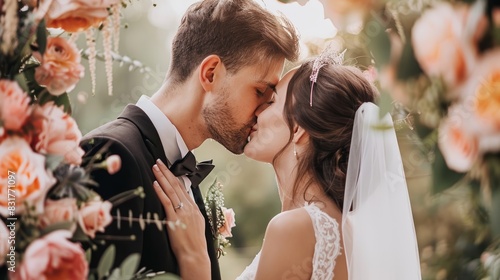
x=14, y=105
x=486, y=90
x=56, y=133
x=58, y=211
x=229, y=222
x=113, y=164
x=28, y=176
x=60, y=69
x=95, y=216
x=441, y=45
x=457, y=141
x=52, y=257
x=4, y=242
x=75, y=15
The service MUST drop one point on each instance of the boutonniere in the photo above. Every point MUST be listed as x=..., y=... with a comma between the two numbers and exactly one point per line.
x=221, y=218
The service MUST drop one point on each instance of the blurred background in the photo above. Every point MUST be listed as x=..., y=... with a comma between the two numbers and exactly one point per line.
x=453, y=222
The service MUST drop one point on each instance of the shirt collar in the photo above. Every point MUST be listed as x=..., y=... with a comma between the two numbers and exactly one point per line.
x=174, y=146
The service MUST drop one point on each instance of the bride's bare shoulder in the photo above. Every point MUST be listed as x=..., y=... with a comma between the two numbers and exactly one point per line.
x=288, y=246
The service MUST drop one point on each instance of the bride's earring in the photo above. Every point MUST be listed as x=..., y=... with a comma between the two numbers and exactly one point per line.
x=295, y=151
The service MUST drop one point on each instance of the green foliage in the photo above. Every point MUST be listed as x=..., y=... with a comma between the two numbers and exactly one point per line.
x=106, y=262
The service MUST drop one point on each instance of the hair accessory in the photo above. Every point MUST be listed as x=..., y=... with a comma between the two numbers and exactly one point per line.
x=329, y=55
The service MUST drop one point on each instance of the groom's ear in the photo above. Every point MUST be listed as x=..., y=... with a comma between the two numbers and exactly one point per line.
x=299, y=135
x=211, y=68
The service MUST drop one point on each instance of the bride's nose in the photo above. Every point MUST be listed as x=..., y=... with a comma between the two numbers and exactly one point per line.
x=261, y=108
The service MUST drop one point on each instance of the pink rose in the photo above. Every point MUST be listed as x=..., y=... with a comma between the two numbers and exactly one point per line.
x=457, y=141
x=113, y=164
x=60, y=69
x=58, y=211
x=95, y=216
x=56, y=133
x=442, y=47
x=52, y=257
x=229, y=222
x=75, y=15
x=14, y=105
x=4, y=242
x=28, y=176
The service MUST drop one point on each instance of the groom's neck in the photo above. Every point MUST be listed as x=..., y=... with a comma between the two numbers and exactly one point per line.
x=183, y=105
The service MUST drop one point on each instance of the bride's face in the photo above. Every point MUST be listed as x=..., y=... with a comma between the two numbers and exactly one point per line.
x=271, y=133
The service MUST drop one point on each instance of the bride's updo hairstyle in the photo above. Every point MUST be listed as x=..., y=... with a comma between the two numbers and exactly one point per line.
x=337, y=93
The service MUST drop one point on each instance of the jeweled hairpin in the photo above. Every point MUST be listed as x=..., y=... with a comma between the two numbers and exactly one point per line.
x=329, y=55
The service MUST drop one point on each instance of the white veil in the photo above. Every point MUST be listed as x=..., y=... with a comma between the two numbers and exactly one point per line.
x=378, y=231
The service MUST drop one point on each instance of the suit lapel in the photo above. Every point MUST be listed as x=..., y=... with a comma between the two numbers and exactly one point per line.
x=151, y=138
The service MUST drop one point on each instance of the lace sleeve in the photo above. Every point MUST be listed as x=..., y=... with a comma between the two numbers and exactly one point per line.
x=251, y=270
x=327, y=248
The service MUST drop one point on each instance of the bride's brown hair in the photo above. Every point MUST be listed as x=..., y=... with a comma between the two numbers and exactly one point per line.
x=336, y=96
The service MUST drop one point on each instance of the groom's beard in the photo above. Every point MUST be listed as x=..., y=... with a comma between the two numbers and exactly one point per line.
x=223, y=129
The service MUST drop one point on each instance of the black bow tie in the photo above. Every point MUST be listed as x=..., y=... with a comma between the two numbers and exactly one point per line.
x=188, y=166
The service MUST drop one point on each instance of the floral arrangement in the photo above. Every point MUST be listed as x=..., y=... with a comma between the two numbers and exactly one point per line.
x=47, y=206
x=437, y=66
x=221, y=218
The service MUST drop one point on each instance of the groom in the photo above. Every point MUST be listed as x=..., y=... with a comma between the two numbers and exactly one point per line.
x=227, y=56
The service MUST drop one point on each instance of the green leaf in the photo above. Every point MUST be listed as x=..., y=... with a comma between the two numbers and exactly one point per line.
x=52, y=161
x=378, y=41
x=88, y=255
x=408, y=66
x=129, y=266
x=166, y=276
x=57, y=226
x=106, y=262
x=384, y=104
x=41, y=37
x=115, y=275
x=61, y=100
x=442, y=177
x=79, y=235
x=21, y=80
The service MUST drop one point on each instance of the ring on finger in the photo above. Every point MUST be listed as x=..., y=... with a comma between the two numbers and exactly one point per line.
x=179, y=206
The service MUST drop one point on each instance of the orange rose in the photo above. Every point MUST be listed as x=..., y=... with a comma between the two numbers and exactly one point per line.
x=76, y=15
x=14, y=105
x=29, y=178
x=95, y=216
x=56, y=133
x=52, y=257
x=486, y=95
x=60, y=69
x=442, y=47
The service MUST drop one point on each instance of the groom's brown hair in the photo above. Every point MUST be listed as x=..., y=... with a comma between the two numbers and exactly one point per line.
x=240, y=32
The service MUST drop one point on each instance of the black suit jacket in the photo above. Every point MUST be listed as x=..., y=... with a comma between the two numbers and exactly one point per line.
x=134, y=138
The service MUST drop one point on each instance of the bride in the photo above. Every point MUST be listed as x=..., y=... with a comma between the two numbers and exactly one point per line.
x=345, y=207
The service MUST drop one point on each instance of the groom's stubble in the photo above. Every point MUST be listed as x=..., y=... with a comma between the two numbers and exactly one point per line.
x=222, y=127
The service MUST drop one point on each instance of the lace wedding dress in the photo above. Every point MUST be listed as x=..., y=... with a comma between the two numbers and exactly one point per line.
x=326, y=250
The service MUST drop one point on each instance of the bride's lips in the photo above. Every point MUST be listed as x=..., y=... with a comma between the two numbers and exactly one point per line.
x=252, y=130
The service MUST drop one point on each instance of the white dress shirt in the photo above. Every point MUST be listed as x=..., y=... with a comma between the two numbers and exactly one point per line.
x=174, y=146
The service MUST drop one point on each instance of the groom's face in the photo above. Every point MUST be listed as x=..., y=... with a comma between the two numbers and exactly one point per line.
x=239, y=96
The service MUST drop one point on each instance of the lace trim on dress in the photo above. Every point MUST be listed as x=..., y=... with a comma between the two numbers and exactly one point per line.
x=327, y=248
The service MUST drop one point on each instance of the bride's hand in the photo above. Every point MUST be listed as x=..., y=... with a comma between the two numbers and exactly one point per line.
x=186, y=229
